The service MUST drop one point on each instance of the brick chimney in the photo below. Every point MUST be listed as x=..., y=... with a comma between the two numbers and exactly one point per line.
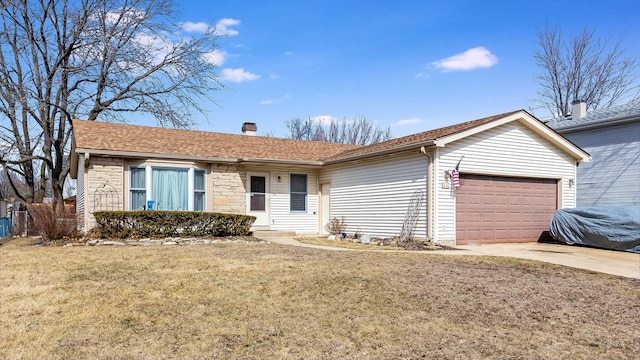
x=249, y=128
x=578, y=109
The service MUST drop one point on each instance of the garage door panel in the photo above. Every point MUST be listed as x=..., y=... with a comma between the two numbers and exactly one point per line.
x=501, y=209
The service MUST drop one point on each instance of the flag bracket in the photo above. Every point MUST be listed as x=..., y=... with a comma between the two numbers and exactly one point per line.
x=449, y=173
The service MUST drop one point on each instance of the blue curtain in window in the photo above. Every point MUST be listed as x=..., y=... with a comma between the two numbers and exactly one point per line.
x=170, y=189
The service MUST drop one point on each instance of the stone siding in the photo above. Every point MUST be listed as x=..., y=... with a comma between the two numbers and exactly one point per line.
x=104, y=187
x=229, y=188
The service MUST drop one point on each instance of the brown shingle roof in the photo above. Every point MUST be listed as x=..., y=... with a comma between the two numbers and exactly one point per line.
x=419, y=138
x=93, y=135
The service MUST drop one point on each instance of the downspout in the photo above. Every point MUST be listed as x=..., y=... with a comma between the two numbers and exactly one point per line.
x=429, y=193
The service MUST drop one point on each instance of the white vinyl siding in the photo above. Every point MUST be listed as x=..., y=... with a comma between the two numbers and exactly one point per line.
x=373, y=194
x=280, y=215
x=508, y=150
x=612, y=177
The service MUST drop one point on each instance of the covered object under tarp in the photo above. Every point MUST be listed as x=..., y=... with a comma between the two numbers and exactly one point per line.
x=609, y=227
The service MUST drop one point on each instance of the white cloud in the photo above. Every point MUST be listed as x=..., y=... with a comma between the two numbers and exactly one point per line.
x=126, y=18
x=222, y=27
x=422, y=76
x=276, y=101
x=157, y=46
x=288, y=53
x=200, y=27
x=216, y=57
x=408, y=121
x=478, y=57
x=238, y=75
x=324, y=119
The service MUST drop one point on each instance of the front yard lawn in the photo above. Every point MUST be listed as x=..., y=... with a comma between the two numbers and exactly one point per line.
x=257, y=301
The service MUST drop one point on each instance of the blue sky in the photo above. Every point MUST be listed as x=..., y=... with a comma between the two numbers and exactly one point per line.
x=412, y=65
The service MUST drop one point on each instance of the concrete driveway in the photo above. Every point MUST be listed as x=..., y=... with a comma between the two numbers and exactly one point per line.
x=606, y=261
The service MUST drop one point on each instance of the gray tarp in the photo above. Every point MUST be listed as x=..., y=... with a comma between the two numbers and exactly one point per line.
x=609, y=227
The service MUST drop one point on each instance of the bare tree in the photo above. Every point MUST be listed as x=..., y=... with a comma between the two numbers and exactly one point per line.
x=585, y=67
x=91, y=59
x=10, y=185
x=356, y=131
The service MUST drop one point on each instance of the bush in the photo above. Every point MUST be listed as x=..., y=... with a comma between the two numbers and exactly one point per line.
x=150, y=223
x=336, y=226
x=52, y=222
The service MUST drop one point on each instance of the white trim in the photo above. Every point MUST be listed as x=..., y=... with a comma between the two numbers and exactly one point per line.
x=146, y=155
x=586, y=124
x=190, y=188
x=529, y=121
x=436, y=197
x=148, y=179
x=149, y=182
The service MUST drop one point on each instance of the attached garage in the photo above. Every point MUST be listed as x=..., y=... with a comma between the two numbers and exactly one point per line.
x=514, y=173
x=492, y=209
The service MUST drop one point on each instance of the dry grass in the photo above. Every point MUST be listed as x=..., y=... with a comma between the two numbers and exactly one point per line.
x=256, y=301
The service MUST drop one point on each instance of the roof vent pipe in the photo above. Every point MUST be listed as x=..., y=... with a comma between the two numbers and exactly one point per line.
x=249, y=128
x=578, y=109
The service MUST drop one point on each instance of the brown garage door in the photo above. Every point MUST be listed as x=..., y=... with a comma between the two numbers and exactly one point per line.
x=500, y=209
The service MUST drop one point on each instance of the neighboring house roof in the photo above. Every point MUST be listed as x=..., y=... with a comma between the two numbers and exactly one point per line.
x=598, y=118
x=142, y=141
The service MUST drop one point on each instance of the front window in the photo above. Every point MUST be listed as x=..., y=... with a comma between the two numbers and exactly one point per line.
x=169, y=188
x=198, y=190
x=138, y=189
x=298, y=192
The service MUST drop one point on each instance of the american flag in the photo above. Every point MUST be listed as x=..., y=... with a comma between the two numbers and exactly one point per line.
x=456, y=178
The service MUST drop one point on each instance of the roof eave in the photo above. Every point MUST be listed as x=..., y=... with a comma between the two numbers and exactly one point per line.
x=210, y=159
x=381, y=152
x=280, y=161
x=133, y=154
x=599, y=123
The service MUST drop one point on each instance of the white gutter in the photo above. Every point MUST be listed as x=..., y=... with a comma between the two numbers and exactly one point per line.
x=131, y=154
x=586, y=125
x=381, y=152
x=276, y=161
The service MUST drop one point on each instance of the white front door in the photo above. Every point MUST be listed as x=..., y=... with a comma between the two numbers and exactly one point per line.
x=258, y=197
x=326, y=203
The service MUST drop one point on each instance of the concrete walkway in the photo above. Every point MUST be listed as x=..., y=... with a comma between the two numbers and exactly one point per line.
x=599, y=260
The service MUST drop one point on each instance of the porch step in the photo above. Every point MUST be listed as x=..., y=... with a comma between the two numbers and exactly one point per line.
x=266, y=234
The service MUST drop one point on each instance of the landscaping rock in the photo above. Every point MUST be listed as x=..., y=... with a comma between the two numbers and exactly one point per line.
x=172, y=241
x=113, y=243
